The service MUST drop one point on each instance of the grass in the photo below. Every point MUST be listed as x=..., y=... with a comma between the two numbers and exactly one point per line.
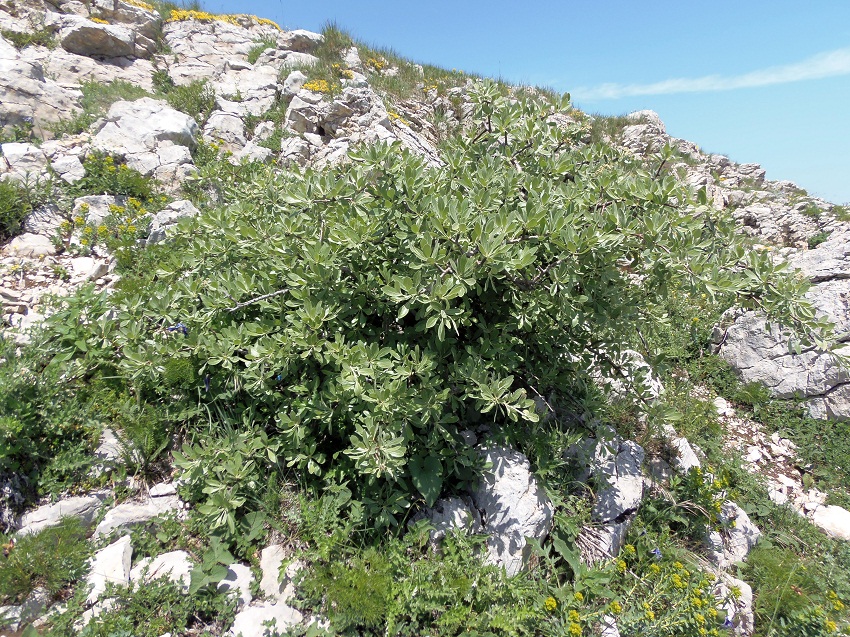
x=259, y=48
x=95, y=102
x=50, y=559
x=17, y=200
x=38, y=37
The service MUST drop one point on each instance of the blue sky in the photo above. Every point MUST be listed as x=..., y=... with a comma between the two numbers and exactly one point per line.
x=760, y=81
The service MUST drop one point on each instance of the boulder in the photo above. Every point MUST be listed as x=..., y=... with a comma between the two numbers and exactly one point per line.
x=84, y=508
x=110, y=565
x=834, y=520
x=131, y=514
x=238, y=579
x=761, y=355
x=737, y=538
x=735, y=602
x=176, y=566
x=275, y=585
x=263, y=618
x=167, y=219
x=84, y=37
x=621, y=482
x=24, y=162
x=449, y=514
x=300, y=40
x=30, y=245
x=513, y=507
x=27, y=97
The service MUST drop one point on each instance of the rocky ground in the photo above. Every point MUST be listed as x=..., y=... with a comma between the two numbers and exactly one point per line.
x=105, y=40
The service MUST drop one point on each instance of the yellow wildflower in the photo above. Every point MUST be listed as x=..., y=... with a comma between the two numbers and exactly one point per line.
x=578, y=597
x=575, y=630
x=616, y=607
x=550, y=604
x=573, y=616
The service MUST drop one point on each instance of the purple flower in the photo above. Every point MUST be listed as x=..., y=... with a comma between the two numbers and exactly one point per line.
x=180, y=327
x=657, y=553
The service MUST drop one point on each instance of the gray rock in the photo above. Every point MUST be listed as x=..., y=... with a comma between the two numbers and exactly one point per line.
x=165, y=220
x=608, y=626
x=25, y=162
x=621, y=481
x=110, y=565
x=449, y=514
x=176, y=566
x=293, y=82
x=834, y=520
x=30, y=245
x=761, y=355
x=44, y=220
x=14, y=617
x=84, y=37
x=130, y=514
x=300, y=40
x=513, y=508
x=27, y=96
x=261, y=618
x=84, y=508
x=69, y=168
x=275, y=585
x=735, y=542
x=738, y=609
x=600, y=543
x=238, y=579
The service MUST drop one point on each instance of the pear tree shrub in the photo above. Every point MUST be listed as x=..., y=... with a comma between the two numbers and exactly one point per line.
x=367, y=313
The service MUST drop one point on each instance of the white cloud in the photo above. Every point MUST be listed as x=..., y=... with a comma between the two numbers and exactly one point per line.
x=829, y=64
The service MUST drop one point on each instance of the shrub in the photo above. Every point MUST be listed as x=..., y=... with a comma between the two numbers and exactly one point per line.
x=106, y=174
x=49, y=559
x=196, y=99
x=369, y=313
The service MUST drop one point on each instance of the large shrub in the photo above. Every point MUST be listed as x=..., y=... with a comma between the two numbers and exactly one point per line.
x=369, y=312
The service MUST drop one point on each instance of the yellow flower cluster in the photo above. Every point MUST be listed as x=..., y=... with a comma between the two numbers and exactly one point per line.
x=550, y=604
x=575, y=630
x=377, y=64
x=236, y=19
x=397, y=118
x=99, y=20
x=140, y=4
x=318, y=86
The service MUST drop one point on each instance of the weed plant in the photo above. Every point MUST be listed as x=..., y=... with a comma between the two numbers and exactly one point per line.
x=36, y=37
x=259, y=48
x=95, y=102
x=50, y=559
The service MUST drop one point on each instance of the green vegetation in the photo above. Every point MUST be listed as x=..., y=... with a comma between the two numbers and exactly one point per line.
x=23, y=39
x=259, y=47
x=95, y=102
x=49, y=559
x=17, y=200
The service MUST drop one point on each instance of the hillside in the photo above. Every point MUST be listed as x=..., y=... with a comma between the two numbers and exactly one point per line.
x=303, y=338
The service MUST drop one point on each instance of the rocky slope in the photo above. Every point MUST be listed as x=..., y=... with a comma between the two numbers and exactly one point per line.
x=105, y=40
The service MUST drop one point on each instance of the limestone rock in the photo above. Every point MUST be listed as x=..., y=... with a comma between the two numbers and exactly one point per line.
x=27, y=96
x=238, y=579
x=834, y=520
x=258, y=619
x=300, y=40
x=25, y=163
x=736, y=540
x=110, y=565
x=131, y=514
x=84, y=508
x=167, y=219
x=738, y=609
x=621, y=481
x=176, y=566
x=84, y=37
x=30, y=245
x=513, y=507
x=450, y=514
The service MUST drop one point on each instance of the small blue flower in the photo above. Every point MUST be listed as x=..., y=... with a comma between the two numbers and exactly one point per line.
x=180, y=327
x=279, y=377
x=727, y=623
x=657, y=553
